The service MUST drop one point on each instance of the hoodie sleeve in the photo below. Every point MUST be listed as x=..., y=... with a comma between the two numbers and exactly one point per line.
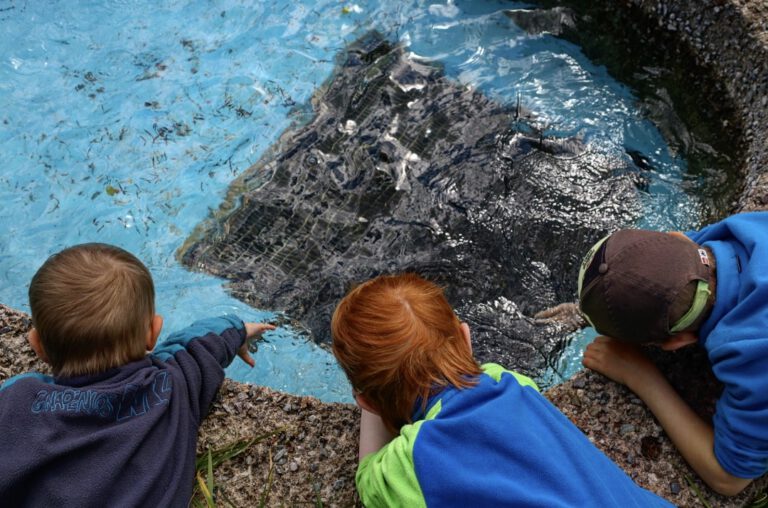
x=202, y=351
x=741, y=417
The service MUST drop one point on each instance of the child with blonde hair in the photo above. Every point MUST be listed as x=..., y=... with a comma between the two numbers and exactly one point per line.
x=113, y=426
x=437, y=429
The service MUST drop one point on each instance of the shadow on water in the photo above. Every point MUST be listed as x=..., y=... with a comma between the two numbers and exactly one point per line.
x=402, y=169
x=686, y=101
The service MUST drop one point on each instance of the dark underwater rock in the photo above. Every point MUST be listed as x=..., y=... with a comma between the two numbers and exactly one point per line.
x=403, y=169
x=538, y=21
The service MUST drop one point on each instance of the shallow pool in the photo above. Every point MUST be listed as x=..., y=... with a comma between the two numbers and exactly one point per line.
x=124, y=122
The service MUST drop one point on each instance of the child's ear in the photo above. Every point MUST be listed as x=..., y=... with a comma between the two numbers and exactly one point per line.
x=155, y=326
x=33, y=337
x=679, y=340
x=364, y=403
x=467, y=335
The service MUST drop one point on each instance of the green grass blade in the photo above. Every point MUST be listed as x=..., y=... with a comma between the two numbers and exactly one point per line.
x=233, y=450
x=759, y=501
x=209, y=460
x=268, y=486
x=206, y=493
x=210, y=472
x=696, y=491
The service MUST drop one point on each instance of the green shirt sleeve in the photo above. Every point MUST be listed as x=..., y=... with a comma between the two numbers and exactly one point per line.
x=387, y=478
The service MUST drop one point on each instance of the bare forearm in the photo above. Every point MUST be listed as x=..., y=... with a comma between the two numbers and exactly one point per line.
x=692, y=436
x=373, y=433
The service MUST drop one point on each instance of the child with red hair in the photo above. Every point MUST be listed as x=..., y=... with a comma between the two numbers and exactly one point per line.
x=437, y=429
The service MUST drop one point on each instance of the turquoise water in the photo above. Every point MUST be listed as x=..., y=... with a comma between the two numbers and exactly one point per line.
x=124, y=122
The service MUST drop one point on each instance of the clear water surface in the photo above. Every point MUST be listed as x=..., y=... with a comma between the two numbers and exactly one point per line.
x=125, y=121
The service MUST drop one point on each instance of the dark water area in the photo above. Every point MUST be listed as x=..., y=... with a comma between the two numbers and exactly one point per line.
x=489, y=161
x=402, y=169
x=687, y=102
x=396, y=167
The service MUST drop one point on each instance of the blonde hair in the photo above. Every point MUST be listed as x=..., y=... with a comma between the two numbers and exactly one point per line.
x=92, y=306
x=399, y=341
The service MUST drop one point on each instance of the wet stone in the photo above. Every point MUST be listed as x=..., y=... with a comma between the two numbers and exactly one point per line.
x=626, y=429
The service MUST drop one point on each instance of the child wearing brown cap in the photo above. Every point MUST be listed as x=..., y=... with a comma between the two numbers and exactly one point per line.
x=669, y=289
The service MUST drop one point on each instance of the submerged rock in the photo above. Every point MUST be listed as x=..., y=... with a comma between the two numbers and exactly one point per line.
x=403, y=169
x=539, y=21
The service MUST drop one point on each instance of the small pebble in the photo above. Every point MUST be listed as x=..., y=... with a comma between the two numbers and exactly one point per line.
x=626, y=429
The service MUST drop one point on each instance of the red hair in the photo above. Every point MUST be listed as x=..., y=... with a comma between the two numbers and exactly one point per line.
x=399, y=341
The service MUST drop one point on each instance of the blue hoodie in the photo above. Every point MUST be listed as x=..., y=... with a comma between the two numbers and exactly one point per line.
x=125, y=437
x=735, y=336
x=498, y=443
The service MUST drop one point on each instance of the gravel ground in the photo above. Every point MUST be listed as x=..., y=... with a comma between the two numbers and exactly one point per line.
x=307, y=452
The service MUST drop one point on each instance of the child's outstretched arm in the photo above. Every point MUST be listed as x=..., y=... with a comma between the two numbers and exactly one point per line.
x=203, y=350
x=693, y=437
x=252, y=330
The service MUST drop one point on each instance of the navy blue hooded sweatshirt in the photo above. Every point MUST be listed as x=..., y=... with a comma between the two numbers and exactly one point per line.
x=125, y=437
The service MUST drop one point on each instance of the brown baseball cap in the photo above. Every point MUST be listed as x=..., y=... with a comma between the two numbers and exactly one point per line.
x=630, y=280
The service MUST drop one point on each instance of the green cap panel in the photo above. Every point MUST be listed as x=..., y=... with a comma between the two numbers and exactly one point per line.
x=698, y=306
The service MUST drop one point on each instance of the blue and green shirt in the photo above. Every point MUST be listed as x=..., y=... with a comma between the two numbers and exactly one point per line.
x=497, y=443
